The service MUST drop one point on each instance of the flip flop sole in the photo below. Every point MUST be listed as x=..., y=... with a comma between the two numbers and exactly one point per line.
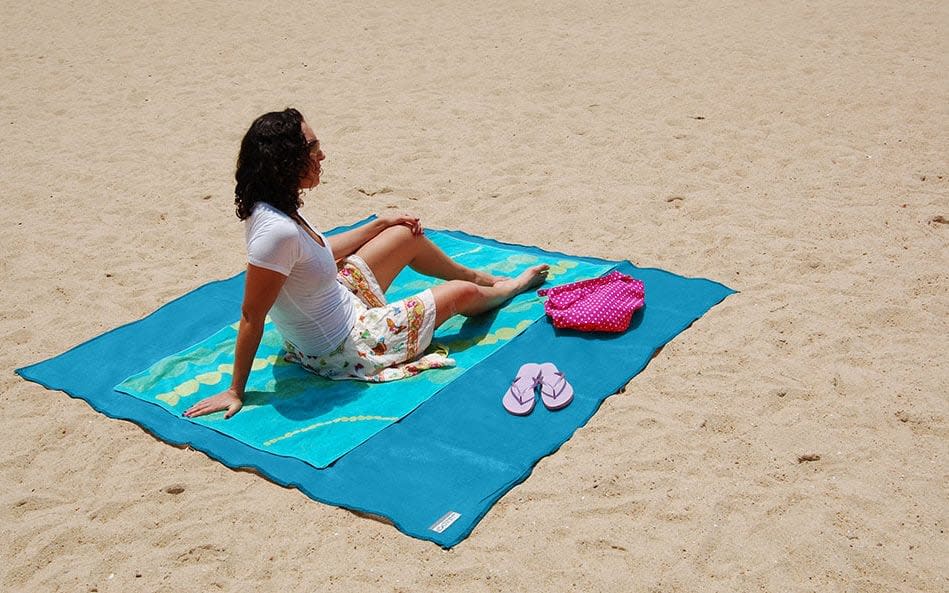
x=555, y=391
x=519, y=398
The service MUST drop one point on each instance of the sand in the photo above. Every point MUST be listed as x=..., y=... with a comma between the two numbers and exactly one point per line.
x=798, y=152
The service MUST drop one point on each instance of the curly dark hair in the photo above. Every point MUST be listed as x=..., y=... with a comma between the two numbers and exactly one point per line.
x=274, y=157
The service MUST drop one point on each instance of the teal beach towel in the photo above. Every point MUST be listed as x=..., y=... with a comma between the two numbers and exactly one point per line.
x=437, y=471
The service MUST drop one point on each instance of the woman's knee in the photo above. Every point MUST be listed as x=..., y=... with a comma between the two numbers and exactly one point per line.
x=398, y=233
x=456, y=297
x=463, y=293
x=393, y=246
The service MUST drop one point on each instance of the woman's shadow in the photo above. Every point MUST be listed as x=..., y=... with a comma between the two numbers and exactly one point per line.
x=301, y=395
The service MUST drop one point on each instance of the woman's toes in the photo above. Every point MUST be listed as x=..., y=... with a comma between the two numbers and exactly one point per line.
x=538, y=279
x=535, y=276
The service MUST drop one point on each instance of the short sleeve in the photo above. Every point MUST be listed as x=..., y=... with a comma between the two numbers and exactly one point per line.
x=274, y=247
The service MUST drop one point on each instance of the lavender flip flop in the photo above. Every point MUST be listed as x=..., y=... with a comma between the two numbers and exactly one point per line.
x=519, y=397
x=555, y=391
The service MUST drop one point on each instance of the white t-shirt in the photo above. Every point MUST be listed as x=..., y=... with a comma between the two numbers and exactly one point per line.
x=313, y=310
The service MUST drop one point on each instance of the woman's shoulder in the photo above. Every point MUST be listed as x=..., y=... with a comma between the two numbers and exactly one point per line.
x=265, y=219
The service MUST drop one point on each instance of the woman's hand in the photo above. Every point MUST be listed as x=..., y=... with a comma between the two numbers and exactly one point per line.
x=404, y=219
x=226, y=400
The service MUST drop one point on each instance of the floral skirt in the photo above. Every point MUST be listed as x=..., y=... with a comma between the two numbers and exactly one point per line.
x=386, y=340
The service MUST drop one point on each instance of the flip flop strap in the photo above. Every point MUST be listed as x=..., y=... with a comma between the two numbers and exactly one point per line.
x=517, y=391
x=557, y=388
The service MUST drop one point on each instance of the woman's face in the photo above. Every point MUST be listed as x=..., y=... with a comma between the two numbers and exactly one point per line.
x=312, y=177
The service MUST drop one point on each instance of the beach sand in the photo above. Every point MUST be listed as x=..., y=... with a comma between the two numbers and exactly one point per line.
x=797, y=152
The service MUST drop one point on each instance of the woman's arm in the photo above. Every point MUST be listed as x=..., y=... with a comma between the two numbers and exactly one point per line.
x=261, y=287
x=346, y=244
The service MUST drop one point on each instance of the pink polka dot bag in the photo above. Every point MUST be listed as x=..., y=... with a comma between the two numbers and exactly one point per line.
x=599, y=304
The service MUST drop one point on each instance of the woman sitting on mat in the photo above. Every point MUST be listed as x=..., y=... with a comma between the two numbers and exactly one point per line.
x=326, y=295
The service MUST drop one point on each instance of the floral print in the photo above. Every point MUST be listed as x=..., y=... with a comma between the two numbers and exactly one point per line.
x=386, y=338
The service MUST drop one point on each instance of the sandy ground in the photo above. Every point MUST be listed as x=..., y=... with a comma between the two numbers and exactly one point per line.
x=796, y=151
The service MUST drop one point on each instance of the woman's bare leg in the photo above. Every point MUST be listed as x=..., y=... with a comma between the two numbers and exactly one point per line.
x=390, y=251
x=458, y=297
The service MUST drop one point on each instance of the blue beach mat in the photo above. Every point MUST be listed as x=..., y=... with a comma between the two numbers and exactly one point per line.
x=439, y=469
x=289, y=411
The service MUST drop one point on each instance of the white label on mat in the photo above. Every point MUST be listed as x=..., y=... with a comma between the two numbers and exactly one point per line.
x=445, y=522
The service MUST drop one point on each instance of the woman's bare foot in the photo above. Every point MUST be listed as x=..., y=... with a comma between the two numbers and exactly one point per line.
x=530, y=278
x=464, y=298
